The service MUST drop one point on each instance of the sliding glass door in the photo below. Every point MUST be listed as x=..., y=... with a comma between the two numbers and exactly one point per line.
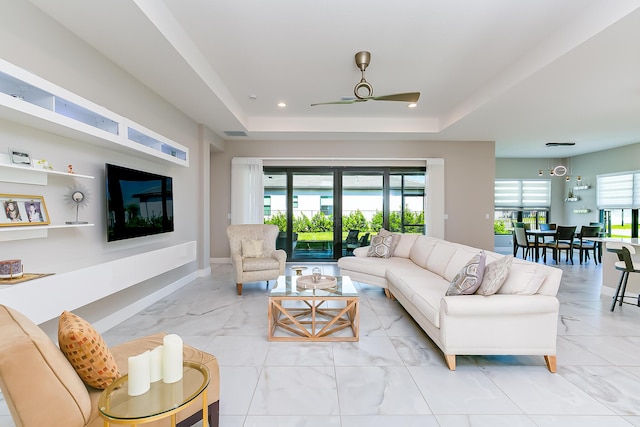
x=325, y=213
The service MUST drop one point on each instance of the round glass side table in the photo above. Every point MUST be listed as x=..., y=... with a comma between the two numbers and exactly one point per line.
x=161, y=401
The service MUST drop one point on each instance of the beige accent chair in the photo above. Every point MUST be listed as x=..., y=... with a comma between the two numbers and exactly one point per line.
x=41, y=387
x=265, y=264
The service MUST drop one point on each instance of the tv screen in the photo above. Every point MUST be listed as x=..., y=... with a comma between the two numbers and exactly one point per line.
x=138, y=203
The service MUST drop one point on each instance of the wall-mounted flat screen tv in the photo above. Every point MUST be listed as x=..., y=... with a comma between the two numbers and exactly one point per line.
x=138, y=203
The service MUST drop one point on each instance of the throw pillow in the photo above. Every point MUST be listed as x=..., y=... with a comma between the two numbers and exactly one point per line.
x=469, y=278
x=380, y=247
x=495, y=273
x=252, y=248
x=86, y=351
x=395, y=239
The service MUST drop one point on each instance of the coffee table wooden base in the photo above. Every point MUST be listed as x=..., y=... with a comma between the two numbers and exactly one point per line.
x=315, y=322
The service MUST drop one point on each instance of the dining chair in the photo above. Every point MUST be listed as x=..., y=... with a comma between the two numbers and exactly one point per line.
x=548, y=227
x=583, y=245
x=522, y=242
x=562, y=241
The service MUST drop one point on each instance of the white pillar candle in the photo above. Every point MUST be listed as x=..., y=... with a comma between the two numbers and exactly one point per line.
x=171, y=358
x=156, y=364
x=139, y=374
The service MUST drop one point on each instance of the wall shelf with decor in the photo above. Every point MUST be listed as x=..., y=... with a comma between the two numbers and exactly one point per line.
x=572, y=199
x=30, y=175
x=32, y=231
x=581, y=187
x=581, y=211
x=30, y=100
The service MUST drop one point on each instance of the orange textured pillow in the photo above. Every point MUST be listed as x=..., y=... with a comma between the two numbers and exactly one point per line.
x=86, y=351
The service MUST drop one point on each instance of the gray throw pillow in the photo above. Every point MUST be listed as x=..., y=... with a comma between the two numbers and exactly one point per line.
x=469, y=278
x=394, y=236
x=495, y=274
x=380, y=247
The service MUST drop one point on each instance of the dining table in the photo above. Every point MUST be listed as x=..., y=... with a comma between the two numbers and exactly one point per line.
x=538, y=235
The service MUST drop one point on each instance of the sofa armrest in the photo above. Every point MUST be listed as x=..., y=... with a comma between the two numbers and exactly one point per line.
x=480, y=305
x=361, y=251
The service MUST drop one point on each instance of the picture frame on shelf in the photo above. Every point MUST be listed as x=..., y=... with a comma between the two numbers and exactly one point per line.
x=20, y=157
x=21, y=210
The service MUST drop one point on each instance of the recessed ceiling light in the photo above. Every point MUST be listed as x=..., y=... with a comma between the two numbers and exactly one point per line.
x=412, y=105
x=282, y=104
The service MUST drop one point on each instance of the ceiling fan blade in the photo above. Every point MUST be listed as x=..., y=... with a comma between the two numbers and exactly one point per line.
x=344, y=101
x=403, y=97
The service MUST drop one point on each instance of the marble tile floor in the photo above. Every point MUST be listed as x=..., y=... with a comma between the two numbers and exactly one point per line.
x=395, y=375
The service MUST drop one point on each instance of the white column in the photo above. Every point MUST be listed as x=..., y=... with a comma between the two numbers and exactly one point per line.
x=434, y=209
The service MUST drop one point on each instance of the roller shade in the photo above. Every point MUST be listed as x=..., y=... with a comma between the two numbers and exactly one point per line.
x=523, y=193
x=619, y=191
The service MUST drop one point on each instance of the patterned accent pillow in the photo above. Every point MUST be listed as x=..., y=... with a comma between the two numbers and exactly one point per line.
x=495, y=274
x=469, y=278
x=252, y=248
x=380, y=247
x=395, y=237
x=86, y=351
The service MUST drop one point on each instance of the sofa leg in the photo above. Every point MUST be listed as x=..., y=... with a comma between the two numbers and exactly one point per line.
x=551, y=363
x=387, y=293
x=451, y=361
x=239, y=288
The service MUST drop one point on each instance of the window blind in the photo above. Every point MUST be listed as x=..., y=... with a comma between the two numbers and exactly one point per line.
x=522, y=193
x=618, y=190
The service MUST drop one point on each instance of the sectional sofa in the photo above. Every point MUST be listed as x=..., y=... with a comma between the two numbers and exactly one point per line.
x=519, y=319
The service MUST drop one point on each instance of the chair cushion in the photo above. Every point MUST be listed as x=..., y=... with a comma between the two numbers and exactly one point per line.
x=260, y=264
x=86, y=351
x=252, y=248
x=39, y=385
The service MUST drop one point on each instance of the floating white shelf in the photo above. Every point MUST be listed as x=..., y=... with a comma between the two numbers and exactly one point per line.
x=31, y=175
x=572, y=199
x=30, y=100
x=581, y=211
x=33, y=231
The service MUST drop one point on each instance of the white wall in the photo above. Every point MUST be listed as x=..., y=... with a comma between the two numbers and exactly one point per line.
x=34, y=42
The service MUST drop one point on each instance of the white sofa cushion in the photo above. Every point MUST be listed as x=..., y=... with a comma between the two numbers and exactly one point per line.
x=421, y=249
x=404, y=245
x=525, y=278
x=373, y=266
x=422, y=287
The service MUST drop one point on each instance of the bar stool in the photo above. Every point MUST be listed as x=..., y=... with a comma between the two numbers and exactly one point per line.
x=626, y=265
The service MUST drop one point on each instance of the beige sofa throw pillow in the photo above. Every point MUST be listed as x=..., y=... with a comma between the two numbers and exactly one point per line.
x=495, y=273
x=252, y=248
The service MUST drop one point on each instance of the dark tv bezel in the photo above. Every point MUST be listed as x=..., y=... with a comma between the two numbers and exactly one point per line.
x=167, y=227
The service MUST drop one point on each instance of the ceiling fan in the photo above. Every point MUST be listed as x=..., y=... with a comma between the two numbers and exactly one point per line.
x=364, y=91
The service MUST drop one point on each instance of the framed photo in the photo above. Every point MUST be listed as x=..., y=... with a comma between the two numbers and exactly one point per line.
x=20, y=157
x=22, y=210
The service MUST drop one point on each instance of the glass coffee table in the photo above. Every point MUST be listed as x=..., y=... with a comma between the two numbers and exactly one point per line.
x=161, y=401
x=299, y=313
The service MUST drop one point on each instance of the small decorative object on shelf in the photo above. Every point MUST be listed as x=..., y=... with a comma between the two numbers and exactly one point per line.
x=77, y=196
x=70, y=169
x=23, y=210
x=11, y=268
x=570, y=196
x=20, y=157
x=43, y=164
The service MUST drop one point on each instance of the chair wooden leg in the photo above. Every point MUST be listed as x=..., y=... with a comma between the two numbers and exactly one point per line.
x=451, y=361
x=551, y=363
x=239, y=288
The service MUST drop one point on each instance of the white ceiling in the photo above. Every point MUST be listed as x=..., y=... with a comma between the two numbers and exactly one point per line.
x=521, y=73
